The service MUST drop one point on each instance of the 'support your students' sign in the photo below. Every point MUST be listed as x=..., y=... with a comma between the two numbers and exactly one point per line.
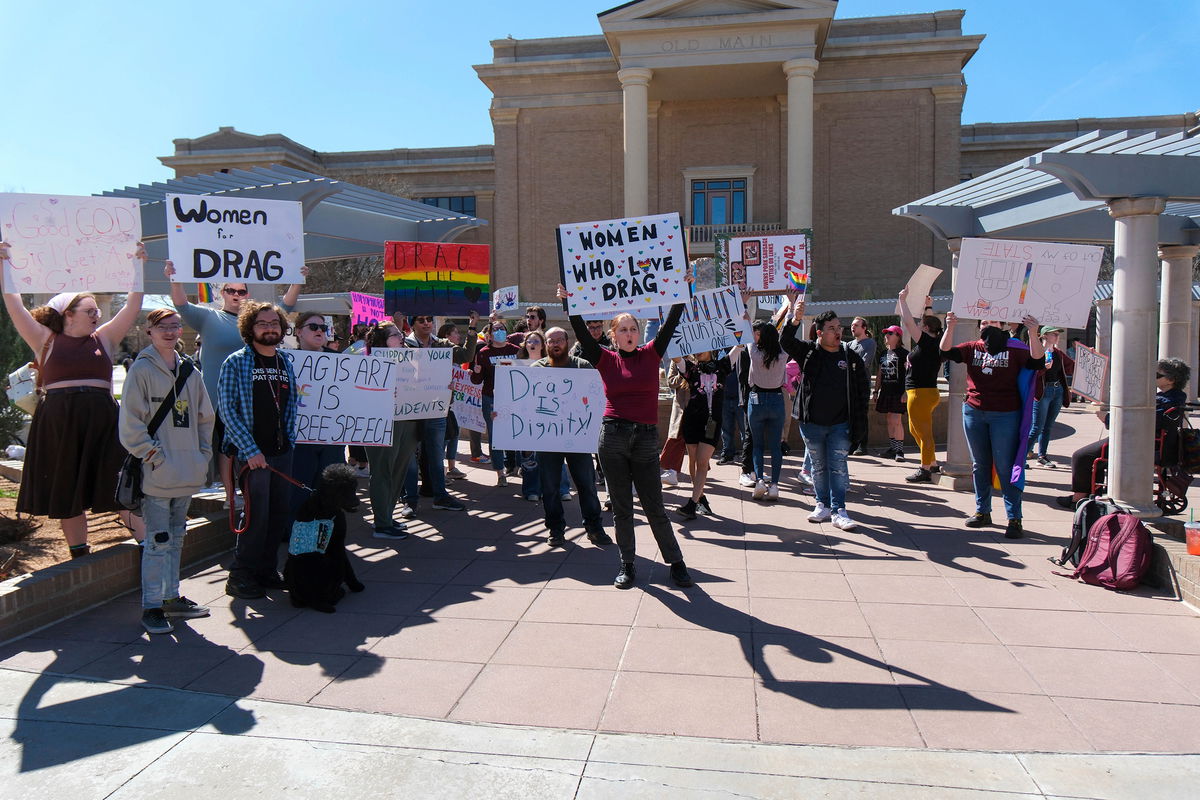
x=343, y=399
x=556, y=410
x=423, y=384
x=240, y=240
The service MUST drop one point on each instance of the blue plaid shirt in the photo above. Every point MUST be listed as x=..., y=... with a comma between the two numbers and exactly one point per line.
x=235, y=402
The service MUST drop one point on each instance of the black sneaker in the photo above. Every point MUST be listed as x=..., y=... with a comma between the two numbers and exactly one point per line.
x=1067, y=502
x=155, y=621
x=599, y=538
x=397, y=532
x=556, y=539
x=922, y=475
x=702, y=507
x=859, y=451
x=272, y=580
x=184, y=608
x=626, y=576
x=979, y=520
x=688, y=510
x=899, y=455
x=680, y=576
x=1014, y=529
x=243, y=589
x=723, y=460
x=448, y=503
x=936, y=469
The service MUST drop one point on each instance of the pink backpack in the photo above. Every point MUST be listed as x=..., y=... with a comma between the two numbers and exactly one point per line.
x=1117, y=554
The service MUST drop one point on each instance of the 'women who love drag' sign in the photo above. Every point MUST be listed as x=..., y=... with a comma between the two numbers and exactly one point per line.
x=622, y=264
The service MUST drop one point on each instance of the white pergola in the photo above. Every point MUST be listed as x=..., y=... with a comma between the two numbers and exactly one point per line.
x=1141, y=193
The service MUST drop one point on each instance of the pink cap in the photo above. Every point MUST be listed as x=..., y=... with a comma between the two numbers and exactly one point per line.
x=894, y=329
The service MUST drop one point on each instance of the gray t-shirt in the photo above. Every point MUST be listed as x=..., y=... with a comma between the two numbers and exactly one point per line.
x=866, y=351
x=219, y=338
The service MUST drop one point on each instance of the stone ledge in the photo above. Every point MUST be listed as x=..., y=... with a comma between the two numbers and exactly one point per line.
x=1172, y=566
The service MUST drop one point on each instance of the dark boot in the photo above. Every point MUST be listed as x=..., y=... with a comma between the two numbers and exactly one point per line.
x=626, y=577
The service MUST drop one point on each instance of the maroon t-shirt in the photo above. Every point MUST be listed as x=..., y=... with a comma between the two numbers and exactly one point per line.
x=484, y=357
x=631, y=384
x=992, y=380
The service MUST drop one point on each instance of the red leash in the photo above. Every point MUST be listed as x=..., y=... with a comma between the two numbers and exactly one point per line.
x=241, y=482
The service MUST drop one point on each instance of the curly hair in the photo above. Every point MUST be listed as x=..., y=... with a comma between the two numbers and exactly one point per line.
x=1175, y=370
x=249, y=315
x=45, y=315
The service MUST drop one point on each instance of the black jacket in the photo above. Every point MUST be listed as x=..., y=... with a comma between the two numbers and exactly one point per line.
x=857, y=384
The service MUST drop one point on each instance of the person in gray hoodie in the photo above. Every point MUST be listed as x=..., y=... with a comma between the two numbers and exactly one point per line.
x=174, y=462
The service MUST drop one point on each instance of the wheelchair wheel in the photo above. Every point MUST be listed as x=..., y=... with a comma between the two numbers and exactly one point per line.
x=1169, y=502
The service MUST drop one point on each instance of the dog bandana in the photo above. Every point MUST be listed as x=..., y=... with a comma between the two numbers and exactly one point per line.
x=310, y=537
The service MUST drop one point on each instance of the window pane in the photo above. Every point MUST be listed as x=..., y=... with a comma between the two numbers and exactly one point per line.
x=698, y=209
x=719, y=205
x=739, y=207
x=697, y=186
x=718, y=184
x=739, y=184
x=469, y=205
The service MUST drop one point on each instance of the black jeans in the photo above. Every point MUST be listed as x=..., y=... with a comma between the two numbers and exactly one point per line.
x=269, y=501
x=629, y=453
x=550, y=466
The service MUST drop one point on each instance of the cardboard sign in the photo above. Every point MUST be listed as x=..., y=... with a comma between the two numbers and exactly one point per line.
x=1091, y=374
x=1005, y=281
x=234, y=239
x=919, y=286
x=366, y=309
x=505, y=299
x=466, y=400
x=436, y=278
x=772, y=263
x=547, y=409
x=622, y=264
x=713, y=320
x=423, y=382
x=62, y=243
x=343, y=399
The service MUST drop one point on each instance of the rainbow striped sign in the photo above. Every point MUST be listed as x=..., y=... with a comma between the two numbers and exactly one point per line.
x=438, y=278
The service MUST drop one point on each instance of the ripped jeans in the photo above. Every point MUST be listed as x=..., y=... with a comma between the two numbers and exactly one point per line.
x=166, y=523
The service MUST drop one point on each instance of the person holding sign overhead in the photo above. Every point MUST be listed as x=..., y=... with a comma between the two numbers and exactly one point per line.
x=73, y=453
x=629, y=435
x=921, y=384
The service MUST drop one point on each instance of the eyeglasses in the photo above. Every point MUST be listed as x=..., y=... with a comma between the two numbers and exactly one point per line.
x=169, y=328
x=238, y=292
x=273, y=324
x=314, y=327
x=422, y=319
x=94, y=313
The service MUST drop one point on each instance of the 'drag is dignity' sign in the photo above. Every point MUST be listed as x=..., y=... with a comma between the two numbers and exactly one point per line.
x=423, y=384
x=549, y=409
x=343, y=399
x=215, y=239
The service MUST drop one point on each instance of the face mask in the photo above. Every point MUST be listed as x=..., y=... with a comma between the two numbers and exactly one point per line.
x=995, y=338
x=500, y=336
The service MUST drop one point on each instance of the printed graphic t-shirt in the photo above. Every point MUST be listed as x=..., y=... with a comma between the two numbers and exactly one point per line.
x=827, y=372
x=270, y=399
x=992, y=379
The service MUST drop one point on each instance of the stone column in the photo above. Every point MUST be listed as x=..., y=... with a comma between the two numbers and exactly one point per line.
x=1176, y=336
x=505, y=219
x=1131, y=392
x=956, y=468
x=635, y=85
x=800, y=72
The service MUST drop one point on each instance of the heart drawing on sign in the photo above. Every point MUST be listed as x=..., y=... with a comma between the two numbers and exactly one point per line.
x=472, y=293
x=585, y=400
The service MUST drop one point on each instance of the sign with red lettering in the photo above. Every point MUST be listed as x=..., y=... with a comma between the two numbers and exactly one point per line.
x=773, y=264
x=218, y=239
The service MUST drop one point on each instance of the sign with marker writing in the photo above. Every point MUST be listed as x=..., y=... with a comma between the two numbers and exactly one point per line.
x=623, y=264
x=343, y=399
x=63, y=243
x=423, y=382
x=1091, y=374
x=218, y=239
x=712, y=320
x=549, y=409
x=439, y=278
x=365, y=309
x=1005, y=281
x=466, y=400
x=774, y=263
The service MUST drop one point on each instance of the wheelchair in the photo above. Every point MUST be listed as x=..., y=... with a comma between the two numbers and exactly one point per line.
x=1171, y=480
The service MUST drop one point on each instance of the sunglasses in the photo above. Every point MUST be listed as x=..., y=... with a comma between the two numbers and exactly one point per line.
x=238, y=292
x=314, y=327
x=1159, y=376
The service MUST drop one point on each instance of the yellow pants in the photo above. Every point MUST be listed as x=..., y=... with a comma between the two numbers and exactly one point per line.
x=921, y=403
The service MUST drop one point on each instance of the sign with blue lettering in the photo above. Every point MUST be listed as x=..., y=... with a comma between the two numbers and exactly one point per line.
x=555, y=410
x=623, y=264
x=713, y=320
x=218, y=239
x=423, y=383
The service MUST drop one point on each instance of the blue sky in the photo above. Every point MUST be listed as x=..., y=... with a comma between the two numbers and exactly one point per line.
x=94, y=93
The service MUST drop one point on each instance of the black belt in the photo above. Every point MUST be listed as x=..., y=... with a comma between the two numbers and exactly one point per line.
x=74, y=389
x=626, y=423
x=776, y=390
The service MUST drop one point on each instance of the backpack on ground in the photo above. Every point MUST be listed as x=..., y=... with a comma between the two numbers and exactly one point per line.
x=1117, y=554
x=1086, y=514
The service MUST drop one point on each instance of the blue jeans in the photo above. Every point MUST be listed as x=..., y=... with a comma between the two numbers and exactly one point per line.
x=433, y=446
x=309, y=461
x=765, y=412
x=497, y=455
x=1045, y=411
x=166, y=523
x=992, y=437
x=828, y=446
x=552, y=469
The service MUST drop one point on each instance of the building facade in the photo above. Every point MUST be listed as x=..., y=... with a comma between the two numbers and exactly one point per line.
x=739, y=114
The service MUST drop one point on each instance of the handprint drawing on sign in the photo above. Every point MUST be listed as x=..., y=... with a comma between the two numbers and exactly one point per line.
x=997, y=278
x=1055, y=286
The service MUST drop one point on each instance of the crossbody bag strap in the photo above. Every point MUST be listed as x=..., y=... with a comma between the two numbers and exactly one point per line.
x=38, y=383
x=185, y=370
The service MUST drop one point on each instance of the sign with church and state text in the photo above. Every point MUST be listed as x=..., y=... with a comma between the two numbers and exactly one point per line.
x=623, y=264
x=219, y=239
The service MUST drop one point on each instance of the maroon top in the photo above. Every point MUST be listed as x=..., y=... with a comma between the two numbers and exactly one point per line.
x=76, y=358
x=992, y=380
x=487, y=370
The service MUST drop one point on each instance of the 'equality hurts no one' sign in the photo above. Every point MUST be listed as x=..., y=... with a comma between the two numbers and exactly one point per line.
x=237, y=239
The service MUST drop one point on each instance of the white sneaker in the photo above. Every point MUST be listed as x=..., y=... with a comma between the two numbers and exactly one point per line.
x=820, y=514
x=760, y=490
x=804, y=477
x=747, y=479
x=773, y=491
x=842, y=521
x=669, y=477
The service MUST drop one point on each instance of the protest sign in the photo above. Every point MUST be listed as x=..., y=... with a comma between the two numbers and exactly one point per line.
x=1091, y=374
x=365, y=309
x=730, y=271
x=234, y=239
x=505, y=299
x=713, y=320
x=466, y=400
x=1005, y=281
x=622, y=264
x=423, y=381
x=549, y=409
x=436, y=278
x=63, y=243
x=919, y=286
x=772, y=263
x=343, y=399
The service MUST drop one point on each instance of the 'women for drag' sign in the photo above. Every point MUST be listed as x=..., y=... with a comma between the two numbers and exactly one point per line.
x=549, y=409
x=436, y=278
x=62, y=243
x=343, y=399
x=712, y=320
x=622, y=264
x=215, y=239
x=423, y=381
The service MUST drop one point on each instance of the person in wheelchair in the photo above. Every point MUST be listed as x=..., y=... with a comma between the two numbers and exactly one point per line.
x=1171, y=377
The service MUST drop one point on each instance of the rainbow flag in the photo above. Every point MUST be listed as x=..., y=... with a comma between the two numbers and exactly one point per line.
x=439, y=278
x=204, y=293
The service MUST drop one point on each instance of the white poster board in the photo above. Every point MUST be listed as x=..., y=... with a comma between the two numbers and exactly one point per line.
x=623, y=264
x=714, y=320
x=773, y=264
x=1005, y=281
x=343, y=399
x=466, y=400
x=234, y=239
x=423, y=382
x=919, y=286
x=1091, y=374
x=505, y=299
x=547, y=409
x=63, y=243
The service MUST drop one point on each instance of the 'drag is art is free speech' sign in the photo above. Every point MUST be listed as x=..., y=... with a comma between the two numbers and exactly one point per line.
x=64, y=243
x=713, y=320
x=423, y=382
x=621, y=264
x=215, y=239
x=343, y=399
x=557, y=410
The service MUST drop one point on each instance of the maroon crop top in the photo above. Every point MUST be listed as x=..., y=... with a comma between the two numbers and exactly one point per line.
x=77, y=358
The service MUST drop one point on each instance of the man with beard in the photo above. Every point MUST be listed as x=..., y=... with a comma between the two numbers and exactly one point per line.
x=258, y=402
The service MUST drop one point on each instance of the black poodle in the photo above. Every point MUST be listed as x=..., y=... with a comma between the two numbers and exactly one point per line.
x=317, y=563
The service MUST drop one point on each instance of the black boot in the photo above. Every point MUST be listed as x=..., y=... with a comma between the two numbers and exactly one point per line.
x=626, y=576
x=680, y=576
